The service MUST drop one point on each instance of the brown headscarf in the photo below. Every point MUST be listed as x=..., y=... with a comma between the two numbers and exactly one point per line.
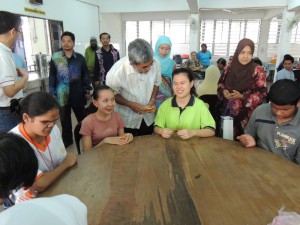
x=240, y=77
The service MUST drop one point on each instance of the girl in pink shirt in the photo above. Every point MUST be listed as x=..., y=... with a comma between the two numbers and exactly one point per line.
x=105, y=125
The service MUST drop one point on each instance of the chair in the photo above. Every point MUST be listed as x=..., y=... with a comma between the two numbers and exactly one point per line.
x=88, y=110
x=212, y=100
x=77, y=137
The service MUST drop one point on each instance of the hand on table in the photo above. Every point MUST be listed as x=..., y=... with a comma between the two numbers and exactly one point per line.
x=121, y=140
x=70, y=159
x=166, y=133
x=246, y=140
x=127, y=138
x=185, y=134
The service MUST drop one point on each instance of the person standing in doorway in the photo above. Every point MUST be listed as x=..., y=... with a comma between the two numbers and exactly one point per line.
x=70, y=83
x=204, y=56
x=10, y=84
x=105, y=58
x=90, y=57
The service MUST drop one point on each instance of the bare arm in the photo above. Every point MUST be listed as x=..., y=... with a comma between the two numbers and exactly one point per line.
x=48, y=178
x=164, y=132
x=185, y=134
x=87, y=143
x=12, y=90
x=137, y=108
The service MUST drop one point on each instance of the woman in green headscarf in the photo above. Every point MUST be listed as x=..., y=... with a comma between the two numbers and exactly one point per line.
x=162, y=54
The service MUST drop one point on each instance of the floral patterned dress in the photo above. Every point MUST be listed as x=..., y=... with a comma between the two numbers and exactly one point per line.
x=241, y=109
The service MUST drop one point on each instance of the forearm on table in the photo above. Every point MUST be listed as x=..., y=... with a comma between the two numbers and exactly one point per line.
x=48, y=178
x=206, y=132
x=158, y=130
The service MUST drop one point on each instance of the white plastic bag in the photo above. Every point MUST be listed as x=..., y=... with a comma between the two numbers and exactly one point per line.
x=227, y=127
x=286, y=218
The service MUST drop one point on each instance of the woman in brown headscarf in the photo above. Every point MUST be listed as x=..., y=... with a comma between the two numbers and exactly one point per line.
x=242, y=86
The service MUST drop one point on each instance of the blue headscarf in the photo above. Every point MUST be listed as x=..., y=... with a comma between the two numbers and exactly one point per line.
x=166, y=64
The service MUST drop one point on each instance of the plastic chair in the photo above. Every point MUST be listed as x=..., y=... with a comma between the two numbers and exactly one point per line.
x=77, y=137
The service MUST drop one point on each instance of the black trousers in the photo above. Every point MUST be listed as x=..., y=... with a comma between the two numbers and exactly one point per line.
x=143, y=130
x=66, y=122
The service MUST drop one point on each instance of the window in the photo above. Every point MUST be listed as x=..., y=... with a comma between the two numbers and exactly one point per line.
x=177, y=30
x=296, y=34
x=222, y=36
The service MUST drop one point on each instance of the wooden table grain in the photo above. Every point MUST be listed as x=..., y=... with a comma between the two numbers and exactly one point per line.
x=156, y=181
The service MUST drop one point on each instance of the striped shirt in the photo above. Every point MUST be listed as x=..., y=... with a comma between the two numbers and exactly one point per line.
x=135, y=87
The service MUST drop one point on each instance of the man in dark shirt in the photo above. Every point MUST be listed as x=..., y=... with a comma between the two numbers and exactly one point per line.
x=70, y=83
x=105, y=58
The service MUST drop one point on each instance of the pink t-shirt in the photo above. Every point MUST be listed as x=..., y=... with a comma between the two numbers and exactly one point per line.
x=99, y=130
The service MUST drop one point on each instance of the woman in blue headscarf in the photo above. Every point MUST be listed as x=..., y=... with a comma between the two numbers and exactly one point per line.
x=162, y=53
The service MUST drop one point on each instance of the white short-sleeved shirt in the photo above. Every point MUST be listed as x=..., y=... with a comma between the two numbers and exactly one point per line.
x=57, y=210
x=49, y=156
x=135, y=87
x=8, y=74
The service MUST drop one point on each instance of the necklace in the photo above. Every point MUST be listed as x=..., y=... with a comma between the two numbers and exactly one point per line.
x=44, y=158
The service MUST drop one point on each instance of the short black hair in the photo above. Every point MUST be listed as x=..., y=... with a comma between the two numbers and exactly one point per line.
x=288, y=57
x=9, y=21
x=222, y=61
x=204, y=45
x=190, y=76
x=104, y=34
x=18, y=163
x=68, y=33
x=284, y=92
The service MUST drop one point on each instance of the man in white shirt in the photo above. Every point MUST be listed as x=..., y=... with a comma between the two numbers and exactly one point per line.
x=10, y=85
x=135, y=80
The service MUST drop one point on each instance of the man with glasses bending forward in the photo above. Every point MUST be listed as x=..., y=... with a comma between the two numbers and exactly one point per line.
x=135, y=80
x=10, y=85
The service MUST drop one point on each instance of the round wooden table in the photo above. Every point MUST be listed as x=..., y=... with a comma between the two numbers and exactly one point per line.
x=207, y=181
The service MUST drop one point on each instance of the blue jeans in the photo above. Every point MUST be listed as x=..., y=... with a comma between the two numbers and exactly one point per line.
x=7, y=120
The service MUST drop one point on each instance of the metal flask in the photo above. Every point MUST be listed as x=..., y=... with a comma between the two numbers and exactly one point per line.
x=41, y=65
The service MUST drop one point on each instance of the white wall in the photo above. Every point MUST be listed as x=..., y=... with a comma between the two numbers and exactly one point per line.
x=112, y=23
x=78, y=17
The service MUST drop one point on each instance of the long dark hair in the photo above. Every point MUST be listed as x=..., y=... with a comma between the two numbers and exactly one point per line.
x=35, y=104
x=189, y=74
x=100, y=88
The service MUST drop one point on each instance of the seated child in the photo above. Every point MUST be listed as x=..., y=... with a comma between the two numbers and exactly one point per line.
x=105, y=125
x=275, y=126
x=184, y=113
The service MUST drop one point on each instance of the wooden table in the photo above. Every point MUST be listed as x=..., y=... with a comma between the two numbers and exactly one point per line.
x=208, y=181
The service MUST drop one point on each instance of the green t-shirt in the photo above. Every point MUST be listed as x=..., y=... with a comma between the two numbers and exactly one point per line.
x=194, y=116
